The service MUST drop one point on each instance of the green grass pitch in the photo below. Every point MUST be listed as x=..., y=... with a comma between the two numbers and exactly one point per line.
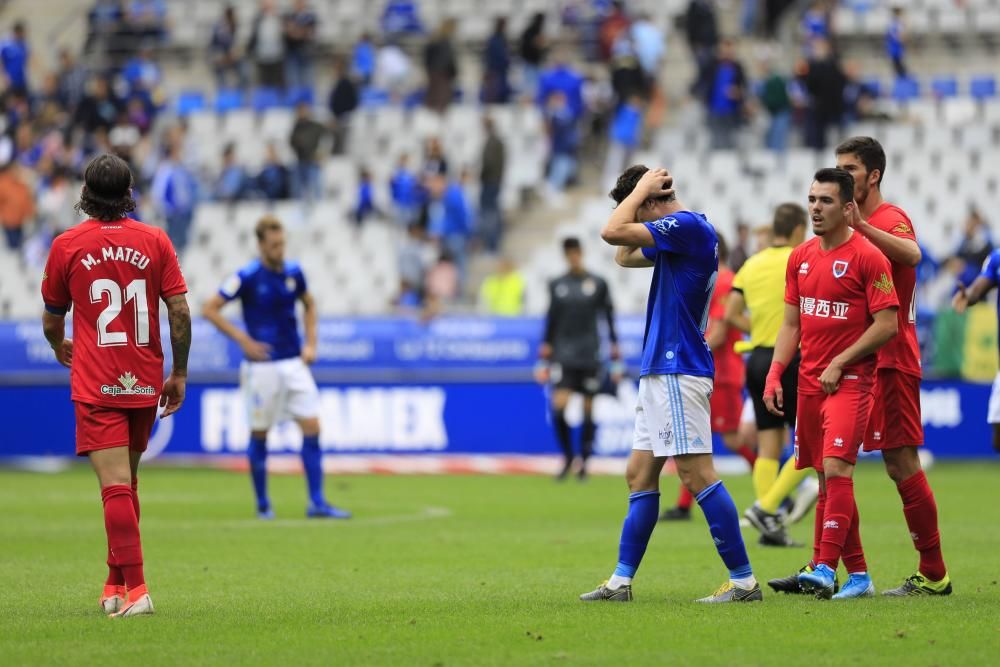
x=466, y=571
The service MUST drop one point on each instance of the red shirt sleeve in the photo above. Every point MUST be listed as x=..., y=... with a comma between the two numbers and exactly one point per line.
x=792, y=279
x=880, y=290
x=55, y=284
x=171, y=280
x=895, y=222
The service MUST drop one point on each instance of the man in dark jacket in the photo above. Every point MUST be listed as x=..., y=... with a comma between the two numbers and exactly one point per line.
x=306, y=136
x=702, y=31
x=490, y=179
x=825, y=84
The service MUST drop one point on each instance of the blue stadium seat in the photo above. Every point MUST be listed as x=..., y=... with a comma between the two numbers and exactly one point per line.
x=299, y=95
x=945, y=86
x=983, y=87
x=190, y=101
x=373, y=97
x=905, y=89
x=263, y=99
x=873, y=84
x=228, y=100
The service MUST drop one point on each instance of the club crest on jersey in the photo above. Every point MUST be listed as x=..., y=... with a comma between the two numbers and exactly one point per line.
x=290, y=284
x=129, y=387
x=664, y=225
x=839, y=268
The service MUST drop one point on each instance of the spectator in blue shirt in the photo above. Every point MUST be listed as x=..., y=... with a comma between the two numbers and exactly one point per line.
x=815, y=25
x=724, y=96
x=300, y=40
x=626, y=131
x=175, y=192
x=363, y=59
x=451, y=220
x=232, y=183
x=404, y=187
x=401, y=16
x=365, y=205
x=895, y=42
x=564, y=140
x=562, y=78
x=273, y=181
x=15, y=55
x=496, y=65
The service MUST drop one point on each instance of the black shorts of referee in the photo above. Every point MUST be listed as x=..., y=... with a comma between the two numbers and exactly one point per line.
x=758, y=366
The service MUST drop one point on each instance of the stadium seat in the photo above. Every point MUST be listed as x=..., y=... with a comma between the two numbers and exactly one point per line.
x=944, y=86
x=983, y=87
x=189, y=101
x=228, y=100
x=300, y=95
x=905, y=89
x=262, y=99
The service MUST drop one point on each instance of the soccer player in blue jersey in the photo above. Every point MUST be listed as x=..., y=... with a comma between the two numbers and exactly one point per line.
x=651, y=227
x=969, y=296
x=274, y=378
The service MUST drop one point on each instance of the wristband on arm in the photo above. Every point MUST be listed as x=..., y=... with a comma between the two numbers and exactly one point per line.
x=773, y=380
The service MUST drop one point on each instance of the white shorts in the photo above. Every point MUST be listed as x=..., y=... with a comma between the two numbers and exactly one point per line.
x=673, y=415
x=993, y=412
x=275, y=391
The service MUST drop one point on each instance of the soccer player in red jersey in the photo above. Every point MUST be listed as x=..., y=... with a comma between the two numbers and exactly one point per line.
x=112, y=271
x=841, y=305
x=726, y=404
x=895, y=426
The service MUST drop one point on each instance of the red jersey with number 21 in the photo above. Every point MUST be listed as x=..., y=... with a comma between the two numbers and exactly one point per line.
x=902, y=353
x=113, y=274
x=837, y=292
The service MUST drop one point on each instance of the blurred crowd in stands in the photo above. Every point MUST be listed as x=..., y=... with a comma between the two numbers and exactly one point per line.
x=594, y=76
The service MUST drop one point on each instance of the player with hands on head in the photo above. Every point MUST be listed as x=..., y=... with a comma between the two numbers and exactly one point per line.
x=650, y=227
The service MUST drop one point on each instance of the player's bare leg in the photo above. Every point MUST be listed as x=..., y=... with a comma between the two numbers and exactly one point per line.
x=312, y=464
x=560, y=399
x=113, y=468
x=902, y=464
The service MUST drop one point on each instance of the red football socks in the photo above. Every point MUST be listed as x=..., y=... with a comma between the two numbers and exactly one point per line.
x=836, y=519
x=854, y=554
x=818, y=526
x=749, y=455
x=123, y=533
x=920, y=511
x=684, y=498
x=135, y=497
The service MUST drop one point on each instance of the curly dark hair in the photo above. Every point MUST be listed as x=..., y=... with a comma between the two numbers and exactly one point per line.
x=627, y=182
x=107, y=189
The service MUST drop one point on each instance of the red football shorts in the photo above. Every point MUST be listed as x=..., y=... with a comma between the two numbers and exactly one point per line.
x=830, y=426
x=895, y=420
x=98, y=427
x=727, y=408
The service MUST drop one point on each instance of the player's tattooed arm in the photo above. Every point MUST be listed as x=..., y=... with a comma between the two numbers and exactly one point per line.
x=179, y=316
x=54, y=328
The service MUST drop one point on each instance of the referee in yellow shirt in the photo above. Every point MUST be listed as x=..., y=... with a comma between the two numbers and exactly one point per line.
x=756, y=306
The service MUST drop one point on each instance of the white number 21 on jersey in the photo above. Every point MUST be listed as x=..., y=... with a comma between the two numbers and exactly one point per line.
x=134, y=292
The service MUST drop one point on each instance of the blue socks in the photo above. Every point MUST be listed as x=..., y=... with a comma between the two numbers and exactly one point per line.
x=312, y=461
x=257, y=453
x=643, y=510
x=724, y=524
